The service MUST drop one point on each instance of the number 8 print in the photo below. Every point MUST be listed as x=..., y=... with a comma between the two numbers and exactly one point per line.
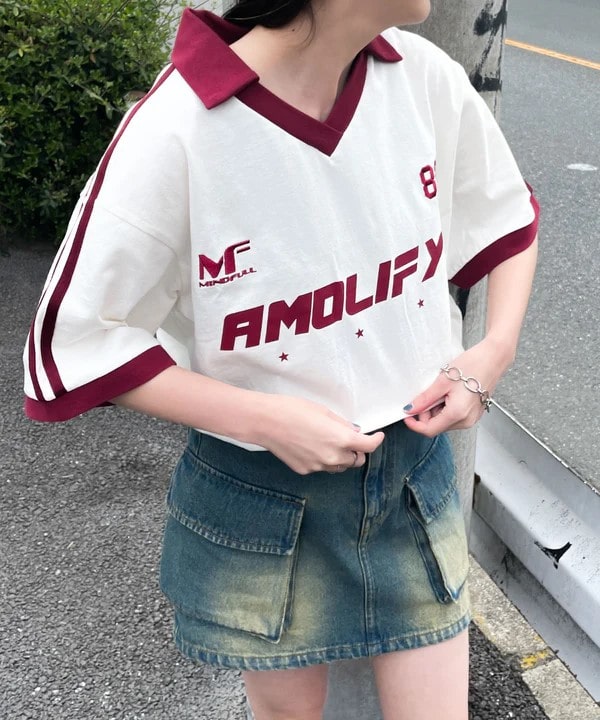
x=428, y=182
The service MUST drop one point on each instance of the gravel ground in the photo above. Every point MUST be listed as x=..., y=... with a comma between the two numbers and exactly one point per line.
x=497, y=689
x=84, y=630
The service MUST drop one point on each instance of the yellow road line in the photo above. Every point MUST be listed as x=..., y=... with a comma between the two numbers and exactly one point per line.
x=553, y=54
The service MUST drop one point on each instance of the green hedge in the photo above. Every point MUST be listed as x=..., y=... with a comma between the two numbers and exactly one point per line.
x=68, y=69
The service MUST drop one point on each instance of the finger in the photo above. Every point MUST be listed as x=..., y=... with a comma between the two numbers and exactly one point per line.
x=437, y=409
x=358, y=459
x=446, y=419
x=343, y=466
x=430, y=411
x=366, y=443
x=434, y=395
x=421, y=427
x=435, y=425
x=333, y=469
x=353, y=459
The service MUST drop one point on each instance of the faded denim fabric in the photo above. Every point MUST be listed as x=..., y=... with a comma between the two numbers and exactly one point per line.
x=268, y=569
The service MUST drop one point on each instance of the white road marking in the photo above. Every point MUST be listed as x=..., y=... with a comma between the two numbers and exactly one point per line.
x=583, y=167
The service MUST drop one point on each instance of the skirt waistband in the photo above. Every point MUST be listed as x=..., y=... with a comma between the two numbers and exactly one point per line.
x=401, y=448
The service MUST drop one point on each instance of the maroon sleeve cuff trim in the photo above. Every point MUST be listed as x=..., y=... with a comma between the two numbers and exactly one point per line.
x=499, y=251
x=100, y=391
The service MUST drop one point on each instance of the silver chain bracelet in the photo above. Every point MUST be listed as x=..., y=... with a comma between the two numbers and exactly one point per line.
x=472, y=384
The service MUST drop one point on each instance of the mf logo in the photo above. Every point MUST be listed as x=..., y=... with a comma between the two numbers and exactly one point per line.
x=223, y=270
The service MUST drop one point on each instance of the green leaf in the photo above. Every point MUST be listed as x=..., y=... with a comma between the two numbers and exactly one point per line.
x=66, y=67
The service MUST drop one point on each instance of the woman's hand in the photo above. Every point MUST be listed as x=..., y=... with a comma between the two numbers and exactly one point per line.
x=447, y=404
x=308, y=437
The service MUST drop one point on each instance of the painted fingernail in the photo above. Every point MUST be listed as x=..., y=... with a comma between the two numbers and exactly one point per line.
x=408, y=407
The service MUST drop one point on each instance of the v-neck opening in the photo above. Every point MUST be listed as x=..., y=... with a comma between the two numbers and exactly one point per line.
x=204, y=58
x=324, y=135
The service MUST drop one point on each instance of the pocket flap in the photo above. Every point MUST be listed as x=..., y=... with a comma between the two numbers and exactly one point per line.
x=433, y=481
x=233, y=513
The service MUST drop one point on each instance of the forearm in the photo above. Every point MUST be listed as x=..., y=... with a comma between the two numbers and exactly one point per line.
x=303, y=434
x=509, y=288
x=188, y=398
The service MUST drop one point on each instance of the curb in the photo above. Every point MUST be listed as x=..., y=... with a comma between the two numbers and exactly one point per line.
x=554, y=686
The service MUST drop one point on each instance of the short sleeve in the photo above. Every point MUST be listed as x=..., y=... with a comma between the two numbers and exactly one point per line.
x=116, y=278
x=493, y=213
x=93, y=335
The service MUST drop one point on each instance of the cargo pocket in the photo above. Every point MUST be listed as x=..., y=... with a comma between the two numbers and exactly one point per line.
x=229, y=550
x=435, y=514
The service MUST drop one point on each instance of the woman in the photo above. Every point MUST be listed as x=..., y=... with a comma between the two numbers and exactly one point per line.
x=288, y=202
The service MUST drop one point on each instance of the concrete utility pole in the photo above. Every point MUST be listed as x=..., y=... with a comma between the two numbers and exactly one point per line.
x=472, y=32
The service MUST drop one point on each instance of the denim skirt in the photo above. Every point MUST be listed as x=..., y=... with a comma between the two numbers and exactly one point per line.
x=267, y=569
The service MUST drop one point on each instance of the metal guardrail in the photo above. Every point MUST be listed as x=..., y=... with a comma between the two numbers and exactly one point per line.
x=536, y=531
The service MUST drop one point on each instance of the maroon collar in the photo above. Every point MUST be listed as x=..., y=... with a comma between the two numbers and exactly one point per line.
x=214, y=72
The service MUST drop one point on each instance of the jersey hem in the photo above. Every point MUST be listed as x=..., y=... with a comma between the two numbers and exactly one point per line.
x=100, y=391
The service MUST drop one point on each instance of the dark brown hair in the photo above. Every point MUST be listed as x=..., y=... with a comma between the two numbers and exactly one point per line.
x=269, y=13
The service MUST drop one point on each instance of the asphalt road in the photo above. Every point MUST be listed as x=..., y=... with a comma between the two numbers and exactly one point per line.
x=571, y=27
x=550, y=115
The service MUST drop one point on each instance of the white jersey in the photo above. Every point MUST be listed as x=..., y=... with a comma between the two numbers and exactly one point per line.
x=287, y=255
